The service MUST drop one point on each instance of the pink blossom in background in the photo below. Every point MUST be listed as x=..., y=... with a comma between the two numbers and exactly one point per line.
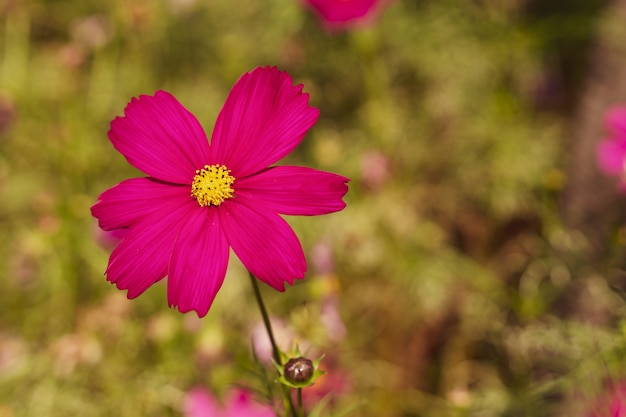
x=239, y=403
x=200, y=199
x=375, y=170
x=611, y=151
x=329, y=387
x=324, y=264
x=8, y=115
x=284, y=335
x=612, y=403
x=340, y=14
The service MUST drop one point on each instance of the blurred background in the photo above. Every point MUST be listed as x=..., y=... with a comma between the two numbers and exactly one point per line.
x=476, y=271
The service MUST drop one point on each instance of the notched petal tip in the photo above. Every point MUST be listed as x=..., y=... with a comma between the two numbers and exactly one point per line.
x=297, y=191
x=142, y=98
x=201, y=311
x=198, y=264
x=263, y=119
x=264, y=242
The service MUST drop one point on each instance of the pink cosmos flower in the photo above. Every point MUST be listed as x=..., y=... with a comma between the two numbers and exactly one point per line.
x=338, y=14
x=201, y=198
x=612, y=403
x=611, y=152
x=284, y=336
x=329, y=387
x=200, y=403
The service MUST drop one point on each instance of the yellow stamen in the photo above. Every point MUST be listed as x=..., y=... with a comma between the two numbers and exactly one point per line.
x=212, y=185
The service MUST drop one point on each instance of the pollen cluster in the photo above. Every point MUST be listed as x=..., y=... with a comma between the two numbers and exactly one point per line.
x=212, y=185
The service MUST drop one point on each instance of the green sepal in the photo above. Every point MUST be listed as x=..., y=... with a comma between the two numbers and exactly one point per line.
x=285, y=380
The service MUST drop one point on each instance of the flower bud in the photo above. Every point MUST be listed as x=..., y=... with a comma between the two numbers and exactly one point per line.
x=298, y=370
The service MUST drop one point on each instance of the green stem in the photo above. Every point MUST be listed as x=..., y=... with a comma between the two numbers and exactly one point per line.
x=270, y=333
x=300, y=407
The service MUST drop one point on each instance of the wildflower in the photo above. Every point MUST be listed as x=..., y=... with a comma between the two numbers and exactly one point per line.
x=200, y=403
x=335, y=383
x=327, y=287
x=93, y=31
x=201, y=198
x=284, y=335
x=339, y=14
x=612, y=403
x=375, y=170
x=8, y=116
x=611, y=152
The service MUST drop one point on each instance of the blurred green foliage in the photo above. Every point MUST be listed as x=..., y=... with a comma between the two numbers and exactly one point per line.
x=461, y=291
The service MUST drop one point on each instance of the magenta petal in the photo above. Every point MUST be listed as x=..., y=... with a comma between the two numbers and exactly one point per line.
x=295, y=190
x=161, y=138
x=128, y=202
x=263, y=241
x=198, y=263
x=241, y=404
x=615, y=120
x=611, y=155
x=341, y=11
x=200, y=403
x=263, y=119
x=142, y=257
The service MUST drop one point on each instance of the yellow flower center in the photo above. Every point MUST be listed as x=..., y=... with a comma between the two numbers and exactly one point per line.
x=212, y=185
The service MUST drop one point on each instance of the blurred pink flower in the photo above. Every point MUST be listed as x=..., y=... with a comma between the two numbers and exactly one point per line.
x=8, y=115
x=200, y=403
x=611, y=152
x=375, y=170
x=284, y=335
x=612, y=404
x=324, y=264
x=201, y=198
x=339, y=14
x=330, y=386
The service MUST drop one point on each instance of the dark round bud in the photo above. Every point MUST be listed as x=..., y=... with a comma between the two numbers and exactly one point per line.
x=298, y=370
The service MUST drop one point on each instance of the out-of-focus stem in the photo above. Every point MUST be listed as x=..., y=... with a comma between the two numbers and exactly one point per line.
x=270, y=333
